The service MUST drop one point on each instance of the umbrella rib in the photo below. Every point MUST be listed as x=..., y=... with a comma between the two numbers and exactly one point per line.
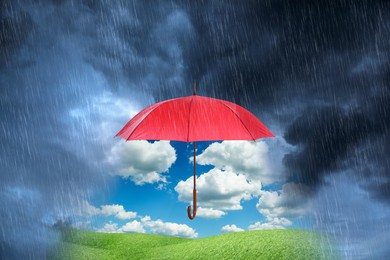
x=135, y=128
x=189, y=116
x=231, y=109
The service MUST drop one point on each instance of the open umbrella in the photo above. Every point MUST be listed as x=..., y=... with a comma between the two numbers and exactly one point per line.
x=191, y=119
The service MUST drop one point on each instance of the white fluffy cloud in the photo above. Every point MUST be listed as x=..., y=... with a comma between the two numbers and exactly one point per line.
x=221, y=190
x=155, y=226
x=147, y=225
x=141, y=161
x=231, y=228
x=133, y=227
x=209, y=213
x=168, y=228
x=115, y=210
x=275, y=223
x=109, y=228
x=118, y=211
x=272, y=223
x=244, y=157
x=291, y=201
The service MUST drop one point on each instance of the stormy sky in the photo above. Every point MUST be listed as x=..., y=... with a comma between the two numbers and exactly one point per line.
x=317, y=73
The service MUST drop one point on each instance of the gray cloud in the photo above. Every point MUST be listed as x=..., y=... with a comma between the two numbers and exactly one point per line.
x=43, y=171
x=16, y=26
x=332, y=139
x=324, y=138
x=290, y=50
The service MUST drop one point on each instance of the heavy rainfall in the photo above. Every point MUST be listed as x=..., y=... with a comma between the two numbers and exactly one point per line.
x=317, y=73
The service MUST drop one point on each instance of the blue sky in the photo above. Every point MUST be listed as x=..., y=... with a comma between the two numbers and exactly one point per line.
x=160, y=200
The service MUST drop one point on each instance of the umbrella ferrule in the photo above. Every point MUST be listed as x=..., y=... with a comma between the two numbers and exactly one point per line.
x=194, y=93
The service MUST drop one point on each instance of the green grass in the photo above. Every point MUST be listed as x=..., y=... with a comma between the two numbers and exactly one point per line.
x=264, y=244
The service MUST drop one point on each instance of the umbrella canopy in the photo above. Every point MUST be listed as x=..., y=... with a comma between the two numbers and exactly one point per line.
x=194, y=118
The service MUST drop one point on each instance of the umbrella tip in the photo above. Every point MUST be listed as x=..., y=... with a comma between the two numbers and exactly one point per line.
x=194, y=88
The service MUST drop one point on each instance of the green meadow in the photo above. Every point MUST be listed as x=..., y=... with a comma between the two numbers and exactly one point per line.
x=261, y=244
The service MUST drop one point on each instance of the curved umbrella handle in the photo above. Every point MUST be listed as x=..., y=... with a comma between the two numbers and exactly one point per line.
x=192, y=216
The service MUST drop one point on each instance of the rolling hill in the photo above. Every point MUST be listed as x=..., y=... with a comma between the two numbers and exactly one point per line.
x=261, y=244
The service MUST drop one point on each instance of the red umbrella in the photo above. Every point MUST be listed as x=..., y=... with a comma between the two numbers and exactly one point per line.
x=194, y=118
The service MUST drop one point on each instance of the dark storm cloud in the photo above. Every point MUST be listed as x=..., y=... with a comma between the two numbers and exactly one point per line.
x=323, y=137
x=378, y=152
x=44, y=174
x=134, y=47
x=261, y=53
x=332, y=139
x=227, y=59
x=15, y=27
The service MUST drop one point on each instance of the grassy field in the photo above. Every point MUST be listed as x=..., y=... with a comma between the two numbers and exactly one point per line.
x=264, y=244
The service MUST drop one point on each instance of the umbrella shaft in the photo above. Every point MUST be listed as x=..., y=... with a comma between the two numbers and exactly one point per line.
x=194, y=165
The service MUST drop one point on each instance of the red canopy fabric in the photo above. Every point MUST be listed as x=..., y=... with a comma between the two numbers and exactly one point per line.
x=194, y=118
